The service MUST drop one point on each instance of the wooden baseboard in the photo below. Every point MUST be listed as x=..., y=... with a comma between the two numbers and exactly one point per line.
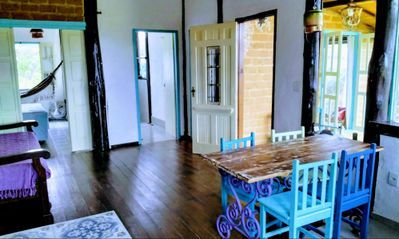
x=118, y=146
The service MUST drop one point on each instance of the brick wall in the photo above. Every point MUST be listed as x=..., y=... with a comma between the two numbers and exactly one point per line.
x=258, y=81
x=56, y=10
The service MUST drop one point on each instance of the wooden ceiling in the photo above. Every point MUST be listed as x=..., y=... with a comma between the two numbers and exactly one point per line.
x=367, y=22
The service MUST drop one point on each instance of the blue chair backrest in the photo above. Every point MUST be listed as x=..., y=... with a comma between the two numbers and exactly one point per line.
x=237, y=143
x=305, y=179
x=356, y=173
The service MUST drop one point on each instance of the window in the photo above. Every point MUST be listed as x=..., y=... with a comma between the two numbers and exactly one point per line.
x=28, y=65
x=394, y=109
x=213, y=74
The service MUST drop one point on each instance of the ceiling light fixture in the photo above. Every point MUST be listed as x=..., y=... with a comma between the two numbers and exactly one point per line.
x=263, y=23
x=351, y=15
x=36, y=33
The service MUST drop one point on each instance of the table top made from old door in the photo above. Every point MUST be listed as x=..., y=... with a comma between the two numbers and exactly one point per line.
x=272, y=160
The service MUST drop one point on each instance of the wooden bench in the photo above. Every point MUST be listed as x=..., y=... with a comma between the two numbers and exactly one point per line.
x=22, y=157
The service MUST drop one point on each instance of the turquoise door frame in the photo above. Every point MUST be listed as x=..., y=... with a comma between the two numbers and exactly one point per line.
x=62, y=25
x=176, y=77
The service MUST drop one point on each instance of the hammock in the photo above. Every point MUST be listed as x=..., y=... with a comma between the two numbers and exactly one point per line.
x=43, y=84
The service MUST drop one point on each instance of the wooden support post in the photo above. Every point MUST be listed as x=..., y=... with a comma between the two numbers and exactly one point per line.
x=220, y=11
x=380, y=72
x=310, y=72
x=96, y=79
x=185, y=92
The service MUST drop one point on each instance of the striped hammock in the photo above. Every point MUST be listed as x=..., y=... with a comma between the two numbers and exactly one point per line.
x=43, y=84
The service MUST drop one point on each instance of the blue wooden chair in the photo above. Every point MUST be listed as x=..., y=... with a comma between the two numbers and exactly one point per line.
x=286, y=136
x=354, y=188
x=301, y=206
x=237, y=143
x=230, y=145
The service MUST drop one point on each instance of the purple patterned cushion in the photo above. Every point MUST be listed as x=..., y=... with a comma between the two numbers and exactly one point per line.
x=18, y=180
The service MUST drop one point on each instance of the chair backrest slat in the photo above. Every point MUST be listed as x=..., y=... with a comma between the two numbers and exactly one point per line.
x=358, y=162
x=237, y=143
x=314, y=185
x=323, y=185
x=349, y=178
x=286, y=136
x=356, y=173
x=305, y=188
x=364, y=170
x=300, y=191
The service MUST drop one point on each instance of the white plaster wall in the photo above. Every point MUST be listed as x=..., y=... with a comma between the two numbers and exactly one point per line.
x=386, y=196
x=289, y=48
x=116, y=22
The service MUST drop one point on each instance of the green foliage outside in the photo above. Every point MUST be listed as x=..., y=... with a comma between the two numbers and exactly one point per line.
x=28, y=65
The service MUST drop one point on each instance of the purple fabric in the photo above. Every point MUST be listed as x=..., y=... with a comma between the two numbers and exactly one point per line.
x=18, y=180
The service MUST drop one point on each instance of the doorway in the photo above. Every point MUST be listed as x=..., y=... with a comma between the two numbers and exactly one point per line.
x=256, y=75
x=36, y=59
x=156, y=64
x=67, y=44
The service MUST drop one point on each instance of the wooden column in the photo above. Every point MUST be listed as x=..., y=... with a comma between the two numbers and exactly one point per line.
x=185, y=92
x=311, y=57
x=220, y=11
x=96, y=79
x=380, y=73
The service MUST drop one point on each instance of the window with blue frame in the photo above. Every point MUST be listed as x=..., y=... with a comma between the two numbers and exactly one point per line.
x=393, y=113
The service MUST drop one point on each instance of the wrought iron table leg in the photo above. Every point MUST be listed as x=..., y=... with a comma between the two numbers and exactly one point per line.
x=238, y=216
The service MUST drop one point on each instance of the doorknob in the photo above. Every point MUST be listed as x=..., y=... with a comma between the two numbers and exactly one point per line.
x=193, y=91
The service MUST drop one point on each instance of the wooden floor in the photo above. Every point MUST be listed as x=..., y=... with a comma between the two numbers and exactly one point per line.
x=158, y=190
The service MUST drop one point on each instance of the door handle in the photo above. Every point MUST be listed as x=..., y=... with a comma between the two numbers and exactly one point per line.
x=193, y=91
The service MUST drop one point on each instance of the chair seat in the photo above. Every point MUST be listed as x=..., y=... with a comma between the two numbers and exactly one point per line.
x=279, y=204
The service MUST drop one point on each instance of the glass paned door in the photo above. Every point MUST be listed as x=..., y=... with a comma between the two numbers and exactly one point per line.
x=364, y=54
x=329, y=85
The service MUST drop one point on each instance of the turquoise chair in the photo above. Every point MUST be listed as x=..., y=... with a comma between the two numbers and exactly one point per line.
x=230, y=145
x=354, y=188
x=301, y=206
x=237, y=143
x=286, y=136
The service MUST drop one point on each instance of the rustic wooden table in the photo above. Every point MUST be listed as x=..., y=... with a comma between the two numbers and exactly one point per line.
x=250, y=173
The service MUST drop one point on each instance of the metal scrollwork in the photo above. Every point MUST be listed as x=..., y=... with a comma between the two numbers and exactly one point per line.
x=243, y=217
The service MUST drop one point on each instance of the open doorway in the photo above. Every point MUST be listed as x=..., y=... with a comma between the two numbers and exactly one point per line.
x=38, y=53
x=345, y=56
x=157, y=85
x=257, y=49
x=71, y=49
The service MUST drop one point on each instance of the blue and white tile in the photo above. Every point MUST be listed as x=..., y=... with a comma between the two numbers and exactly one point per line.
x=104, y=225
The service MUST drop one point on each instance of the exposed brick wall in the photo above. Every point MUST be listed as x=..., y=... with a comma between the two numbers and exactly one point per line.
x=258, y=81
x=55, y=10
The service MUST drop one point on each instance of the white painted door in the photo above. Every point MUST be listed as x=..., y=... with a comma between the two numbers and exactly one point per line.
x=77, y=89
x=214, y=104
x=46, y=59
x=169, y=84
x=10, y=102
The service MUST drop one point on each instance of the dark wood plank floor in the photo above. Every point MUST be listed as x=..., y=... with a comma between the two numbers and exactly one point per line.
x=158, y=190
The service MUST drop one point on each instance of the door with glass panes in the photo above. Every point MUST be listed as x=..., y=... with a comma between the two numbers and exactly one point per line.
x=213, y=85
